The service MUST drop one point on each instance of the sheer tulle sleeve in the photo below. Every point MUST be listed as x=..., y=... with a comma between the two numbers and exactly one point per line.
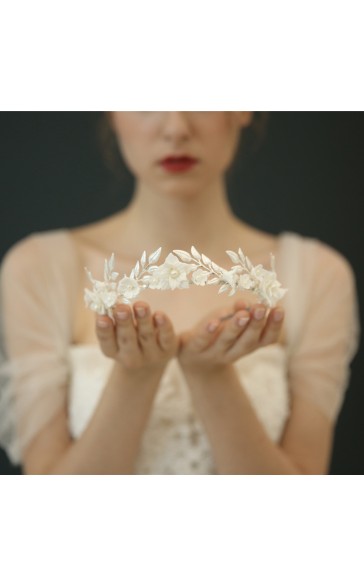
x=34, y=332
x=319, y=365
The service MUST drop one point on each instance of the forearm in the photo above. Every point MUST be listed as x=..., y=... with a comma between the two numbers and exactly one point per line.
x=110, y=443
x=239, y=442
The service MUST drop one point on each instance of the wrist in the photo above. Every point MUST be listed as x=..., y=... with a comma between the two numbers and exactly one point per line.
x=206, y=370
x=144, y=377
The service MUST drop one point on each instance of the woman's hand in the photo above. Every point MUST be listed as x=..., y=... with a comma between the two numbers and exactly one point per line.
x=216, y=341
x=138, y=340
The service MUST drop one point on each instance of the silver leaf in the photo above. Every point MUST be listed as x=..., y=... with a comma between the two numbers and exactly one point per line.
x=241, y=255
x=248, y=263
x=216, y=267
x=224, y=287
x=184, y=256
x=112, y=262
x=89, y=275
x=154, y=257
x=143, y=259
x=195, y=253
x=272, y=263
x=136, y=268
x=206, y=260
x=233, y=256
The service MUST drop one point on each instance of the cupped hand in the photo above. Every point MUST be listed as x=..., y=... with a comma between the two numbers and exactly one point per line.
x=137, y=340
x=216, y=342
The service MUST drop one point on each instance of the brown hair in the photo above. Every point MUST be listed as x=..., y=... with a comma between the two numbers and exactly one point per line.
x=251, y=139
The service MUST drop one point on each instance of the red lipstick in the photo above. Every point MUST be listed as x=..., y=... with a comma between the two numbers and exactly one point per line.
x=178, y=164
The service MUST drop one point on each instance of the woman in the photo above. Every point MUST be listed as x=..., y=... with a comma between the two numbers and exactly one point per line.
x=186, y=388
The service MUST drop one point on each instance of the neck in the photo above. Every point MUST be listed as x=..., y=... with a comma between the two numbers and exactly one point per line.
x=178, y=222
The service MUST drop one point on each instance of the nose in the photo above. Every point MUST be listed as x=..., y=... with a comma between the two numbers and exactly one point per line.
x=176, y=126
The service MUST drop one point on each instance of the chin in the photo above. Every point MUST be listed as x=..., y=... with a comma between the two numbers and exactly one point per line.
x=182, y=193
x=187, y=189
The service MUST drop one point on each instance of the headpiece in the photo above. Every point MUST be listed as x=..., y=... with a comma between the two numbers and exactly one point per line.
x=179, y=270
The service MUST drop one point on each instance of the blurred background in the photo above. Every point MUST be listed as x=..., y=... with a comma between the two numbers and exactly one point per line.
x=306, y=176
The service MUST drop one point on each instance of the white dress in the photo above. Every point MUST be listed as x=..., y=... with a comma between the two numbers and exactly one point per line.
x=174, y=441
x=42, y=368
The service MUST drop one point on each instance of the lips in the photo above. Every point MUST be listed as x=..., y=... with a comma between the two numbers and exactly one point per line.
x=178, y=164
x=179, y=159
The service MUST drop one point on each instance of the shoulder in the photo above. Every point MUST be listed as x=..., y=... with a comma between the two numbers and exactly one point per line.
x=327, y=292
x=40, y=268
x=31, y=252
x=321, y=259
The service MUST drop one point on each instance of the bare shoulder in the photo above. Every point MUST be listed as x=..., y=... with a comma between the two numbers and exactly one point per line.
x=22, y=256
x=31, y=252
x=334, y=257
x=329, y=262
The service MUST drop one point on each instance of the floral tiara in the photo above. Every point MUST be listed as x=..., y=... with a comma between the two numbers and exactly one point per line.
x=180, y=270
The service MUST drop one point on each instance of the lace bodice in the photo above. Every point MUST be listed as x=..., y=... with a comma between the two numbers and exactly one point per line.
x=174, y=441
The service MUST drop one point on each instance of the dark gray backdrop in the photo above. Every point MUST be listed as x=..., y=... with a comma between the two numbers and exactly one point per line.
x=307, y=177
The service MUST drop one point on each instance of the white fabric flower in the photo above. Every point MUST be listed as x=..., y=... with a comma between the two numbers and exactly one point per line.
x=270, y=289
x=101, y=300
x=231, y=278
x=260, y=273
x=128, y=288
x=104, y=295
x=245, y=282
x=172, y=274
x=200, y=277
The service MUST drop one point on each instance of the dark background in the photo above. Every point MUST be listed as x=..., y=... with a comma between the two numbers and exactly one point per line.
x=306, y=177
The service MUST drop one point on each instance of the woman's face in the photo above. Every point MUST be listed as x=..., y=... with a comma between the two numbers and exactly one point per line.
x=147, y=138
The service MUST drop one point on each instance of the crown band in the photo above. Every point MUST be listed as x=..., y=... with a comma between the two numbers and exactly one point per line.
x=179, y=270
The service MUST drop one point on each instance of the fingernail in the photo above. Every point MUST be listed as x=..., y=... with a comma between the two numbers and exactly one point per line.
x=102, y=324
x=242, y=321
x=212, y=327
x=259, y=313
x=160, y=319
x=123, y=315
x=140, y=311
x=278, y=315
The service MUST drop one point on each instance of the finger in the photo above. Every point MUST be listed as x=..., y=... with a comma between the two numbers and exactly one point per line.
x=219, y=313
x=249, y=340
x=202, y=337
x=241, y=304
x=126, y=336
x=272, y=329
x=231, y=311
x=165, y=332
x=233, y=328
x=105, y=332
x=145, y=327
